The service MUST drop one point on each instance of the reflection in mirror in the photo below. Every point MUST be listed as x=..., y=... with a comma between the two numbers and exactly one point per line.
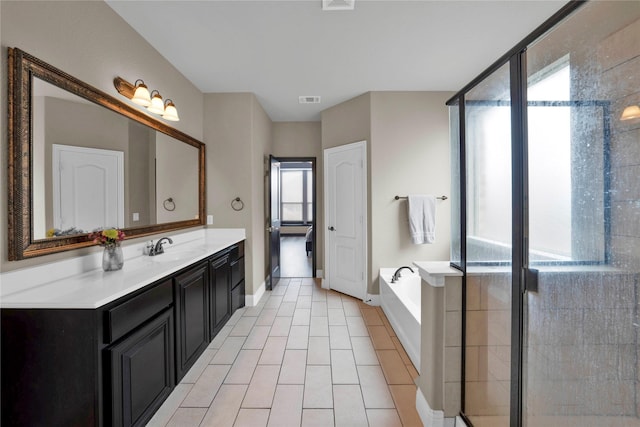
x=104, y=171
x=81, y=160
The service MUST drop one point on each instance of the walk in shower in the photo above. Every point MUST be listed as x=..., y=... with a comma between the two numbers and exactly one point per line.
x=547, y=227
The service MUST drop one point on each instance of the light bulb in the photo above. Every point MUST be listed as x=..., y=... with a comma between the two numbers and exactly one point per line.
x=157, y=105
x=631, y=112
x=141, y=95
x=170, y=111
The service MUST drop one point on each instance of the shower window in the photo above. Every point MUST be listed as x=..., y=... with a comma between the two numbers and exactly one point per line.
x=488, y=169
x=550, y=162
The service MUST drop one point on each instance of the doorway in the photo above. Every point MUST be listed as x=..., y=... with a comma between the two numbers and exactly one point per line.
x=296, y=208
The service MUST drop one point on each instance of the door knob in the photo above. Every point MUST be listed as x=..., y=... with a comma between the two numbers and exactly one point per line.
x=270, y=229
x=331, y=228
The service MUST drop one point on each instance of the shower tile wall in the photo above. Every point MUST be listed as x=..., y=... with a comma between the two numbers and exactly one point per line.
x=488, y=344
x=582, y=345
x=452, y=346
x=619, y=57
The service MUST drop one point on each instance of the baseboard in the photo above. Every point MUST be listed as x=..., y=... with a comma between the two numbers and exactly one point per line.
x=429, y=417
x=253, y=300
x=319, y=274
x=372, y=299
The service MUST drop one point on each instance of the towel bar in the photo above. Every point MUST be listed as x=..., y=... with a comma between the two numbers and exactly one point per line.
x=404, y=197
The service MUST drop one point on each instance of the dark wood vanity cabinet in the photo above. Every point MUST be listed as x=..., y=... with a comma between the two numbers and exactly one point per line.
x=227, y=286
x=192, y=316
x=237, y=278
x=220, y=293
x=115, y=365
x=142, y=371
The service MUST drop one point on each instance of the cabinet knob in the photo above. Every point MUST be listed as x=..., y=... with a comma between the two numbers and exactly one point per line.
x=332, y=228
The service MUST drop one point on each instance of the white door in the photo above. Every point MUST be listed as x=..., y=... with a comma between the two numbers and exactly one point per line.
x=345, y=219
x=88, y=188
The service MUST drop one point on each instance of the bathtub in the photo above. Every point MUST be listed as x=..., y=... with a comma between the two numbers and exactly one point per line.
x=401, y=304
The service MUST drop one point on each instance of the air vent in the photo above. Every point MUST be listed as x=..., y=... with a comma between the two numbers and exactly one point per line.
x=338, y=4
x=309, y=100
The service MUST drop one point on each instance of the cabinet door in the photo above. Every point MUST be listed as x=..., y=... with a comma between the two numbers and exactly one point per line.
x=142, y=371
x=220, y=292
x=192, y=317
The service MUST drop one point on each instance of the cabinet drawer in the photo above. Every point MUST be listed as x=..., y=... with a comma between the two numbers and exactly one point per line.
x=126, y=316
x=237, y=271
x=237, y=296
x=236, y=251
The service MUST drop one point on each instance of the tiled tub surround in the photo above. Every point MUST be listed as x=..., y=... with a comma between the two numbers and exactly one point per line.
x=438, y=395
x=582, y=354
x=488, y=345
x=81, y=283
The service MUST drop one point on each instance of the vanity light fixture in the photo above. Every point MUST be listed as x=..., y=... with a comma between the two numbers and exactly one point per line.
x=170, y=111
x=139, y=94
x=631, y=112
x=157, y=104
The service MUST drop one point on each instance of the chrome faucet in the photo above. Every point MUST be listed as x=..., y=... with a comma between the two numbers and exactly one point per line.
x=158, y=248
x=397, y=275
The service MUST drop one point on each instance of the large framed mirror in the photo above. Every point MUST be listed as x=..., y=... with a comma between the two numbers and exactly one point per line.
x=81, y=160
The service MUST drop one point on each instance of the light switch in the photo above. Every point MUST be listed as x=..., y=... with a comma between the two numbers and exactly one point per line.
x=136, y=216
x=209, y=219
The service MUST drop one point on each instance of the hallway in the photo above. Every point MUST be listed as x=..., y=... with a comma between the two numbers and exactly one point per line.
x=304, y=356
x=294, y=261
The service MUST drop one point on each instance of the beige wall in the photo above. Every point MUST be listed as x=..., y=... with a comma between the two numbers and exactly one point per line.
x=238, y=136
x=409, y=154
x=261, y=147
x=297, y=139
x=343, y=124
x=227, y=134
x=407, y=136
x=91, y=42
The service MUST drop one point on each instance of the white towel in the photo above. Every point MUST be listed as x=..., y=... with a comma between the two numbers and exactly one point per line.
x=422, y=218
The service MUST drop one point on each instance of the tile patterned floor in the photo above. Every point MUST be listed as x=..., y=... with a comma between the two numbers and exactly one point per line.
x=294, y=261
x=304, y=356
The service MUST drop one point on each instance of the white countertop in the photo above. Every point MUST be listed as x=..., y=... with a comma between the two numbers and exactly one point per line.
x=95, y=288
x=434, y=272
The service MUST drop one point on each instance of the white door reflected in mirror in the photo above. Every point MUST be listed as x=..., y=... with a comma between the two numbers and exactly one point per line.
x=88, y=189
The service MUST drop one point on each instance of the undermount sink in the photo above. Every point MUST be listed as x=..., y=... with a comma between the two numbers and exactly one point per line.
x=177, y=255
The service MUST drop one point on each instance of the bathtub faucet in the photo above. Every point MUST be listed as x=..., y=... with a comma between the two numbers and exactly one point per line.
x=397, y=275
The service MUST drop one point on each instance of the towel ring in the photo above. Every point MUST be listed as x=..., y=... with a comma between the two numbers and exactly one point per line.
x=237, y=204
x=169, y=204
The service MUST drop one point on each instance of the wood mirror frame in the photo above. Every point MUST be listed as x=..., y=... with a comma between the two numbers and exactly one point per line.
x=22, y=69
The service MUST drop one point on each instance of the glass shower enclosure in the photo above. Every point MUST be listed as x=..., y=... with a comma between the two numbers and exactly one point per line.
x=548, y=225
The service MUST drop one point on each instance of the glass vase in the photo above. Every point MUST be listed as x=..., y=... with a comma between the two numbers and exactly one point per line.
x=112, y=258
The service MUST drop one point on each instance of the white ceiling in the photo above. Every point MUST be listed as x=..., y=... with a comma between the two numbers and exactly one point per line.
x=280, y=50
